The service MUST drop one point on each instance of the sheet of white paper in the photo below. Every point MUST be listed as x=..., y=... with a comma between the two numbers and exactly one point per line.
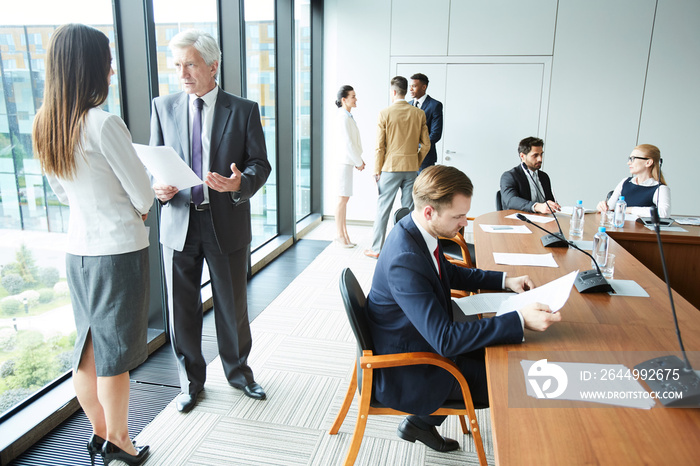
x=678, y=229
x=585, y=245
x=533, y=218
x=481, y=303
x=505, y=228
x=627, y=288
x=554, y=294
x=568, y=210
x=166, y=166
x=595, y=389
x=515, y=258
x=687, y=220
x=631, y=218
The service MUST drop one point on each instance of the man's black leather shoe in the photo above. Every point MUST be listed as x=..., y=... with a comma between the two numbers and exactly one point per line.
x=186, y=401
x=254, y=391
x=411, y=432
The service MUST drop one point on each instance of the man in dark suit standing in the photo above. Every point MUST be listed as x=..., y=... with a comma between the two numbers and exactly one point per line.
x=409, y=309
x=220, y=136
x=526, y=187
x=433, y=115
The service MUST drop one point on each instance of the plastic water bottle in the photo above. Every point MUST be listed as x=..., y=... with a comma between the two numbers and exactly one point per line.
x=600, y=247
x=620, y=208
x=576, y=225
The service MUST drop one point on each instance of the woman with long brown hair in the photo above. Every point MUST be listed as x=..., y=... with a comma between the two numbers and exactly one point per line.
x=91, y=165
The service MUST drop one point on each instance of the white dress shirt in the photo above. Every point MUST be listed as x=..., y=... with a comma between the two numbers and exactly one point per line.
x=109, y=192
x=207, y=121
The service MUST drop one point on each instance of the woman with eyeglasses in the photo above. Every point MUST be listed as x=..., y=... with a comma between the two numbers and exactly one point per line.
x=91, y=165
x=645, y=188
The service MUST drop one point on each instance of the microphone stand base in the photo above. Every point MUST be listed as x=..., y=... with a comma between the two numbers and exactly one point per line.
x=668, y=375
x=554, y=241
x=591, y=281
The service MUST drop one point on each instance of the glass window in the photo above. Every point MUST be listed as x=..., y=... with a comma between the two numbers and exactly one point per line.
x=302, y=106
x=260, y=71
x=171, y=17
x=37, y=329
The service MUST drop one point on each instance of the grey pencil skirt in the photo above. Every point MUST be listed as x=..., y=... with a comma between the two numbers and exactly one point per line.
x=109, y=295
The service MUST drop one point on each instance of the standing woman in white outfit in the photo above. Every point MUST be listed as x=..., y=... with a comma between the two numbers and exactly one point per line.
x=89, y=161
x=645, y=188
x=349, y=155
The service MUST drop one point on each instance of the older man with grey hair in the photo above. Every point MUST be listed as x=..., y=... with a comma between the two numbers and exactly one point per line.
x=220, y=136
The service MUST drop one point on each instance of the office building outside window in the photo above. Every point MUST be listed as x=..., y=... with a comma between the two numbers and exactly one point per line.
x=37, y=329
x=302, y=107
x=260, y=81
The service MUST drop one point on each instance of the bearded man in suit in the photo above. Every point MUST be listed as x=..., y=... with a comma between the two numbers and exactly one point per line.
x=220, y=136
x=409, y=309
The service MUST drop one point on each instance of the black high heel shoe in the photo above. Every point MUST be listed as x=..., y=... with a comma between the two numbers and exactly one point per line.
x=94, y=447
x=112, y=452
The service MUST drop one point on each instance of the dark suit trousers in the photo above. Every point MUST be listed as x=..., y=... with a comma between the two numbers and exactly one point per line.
x=228, y=272
x=473, y=367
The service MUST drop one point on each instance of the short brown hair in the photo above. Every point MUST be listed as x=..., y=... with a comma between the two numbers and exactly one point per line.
x=437, y=185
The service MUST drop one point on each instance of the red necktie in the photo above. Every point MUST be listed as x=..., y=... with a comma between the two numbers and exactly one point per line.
x=436, y=253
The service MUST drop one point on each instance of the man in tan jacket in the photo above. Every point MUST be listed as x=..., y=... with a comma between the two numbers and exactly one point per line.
x=403, y=141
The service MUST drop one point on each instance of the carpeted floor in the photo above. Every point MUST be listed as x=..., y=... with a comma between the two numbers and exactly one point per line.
x=303, y=352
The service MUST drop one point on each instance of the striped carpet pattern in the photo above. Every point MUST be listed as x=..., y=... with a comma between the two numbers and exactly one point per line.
x=303, y=354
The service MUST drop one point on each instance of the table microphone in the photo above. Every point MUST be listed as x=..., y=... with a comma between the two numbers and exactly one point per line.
x=551, y=240
x=678, y=385
x=588, y=281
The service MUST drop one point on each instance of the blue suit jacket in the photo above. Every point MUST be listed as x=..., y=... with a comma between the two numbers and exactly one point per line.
x=433, y=118
x=409, y=309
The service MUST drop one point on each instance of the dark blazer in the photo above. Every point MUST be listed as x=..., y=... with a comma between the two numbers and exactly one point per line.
x=409, y=309
x=515, y=189
x=237, y=137
x=433, y=118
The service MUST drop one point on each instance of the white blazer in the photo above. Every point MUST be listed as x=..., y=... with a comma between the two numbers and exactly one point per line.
x=108, y=193
x=348, y=136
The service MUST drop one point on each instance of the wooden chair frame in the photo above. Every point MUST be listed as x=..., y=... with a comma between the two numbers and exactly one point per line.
x=368, y=363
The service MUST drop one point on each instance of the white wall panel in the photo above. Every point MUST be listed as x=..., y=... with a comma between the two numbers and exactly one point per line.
x=502, y=27
x=356, y=52
x=598, y=73
x=671, y=111
x=419, y=27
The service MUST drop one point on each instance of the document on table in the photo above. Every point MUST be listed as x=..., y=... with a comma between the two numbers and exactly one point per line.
x=482, y=303
x=662, y=228
x=516, y=258
x=554, y=294
x=585, y=245
x=687, y=220
x=505, y=228
x=166, y=166
x=533, y=218
x=627, y=288
x=568, y=210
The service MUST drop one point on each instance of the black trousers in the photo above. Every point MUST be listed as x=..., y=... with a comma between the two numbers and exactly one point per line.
x=228, y=272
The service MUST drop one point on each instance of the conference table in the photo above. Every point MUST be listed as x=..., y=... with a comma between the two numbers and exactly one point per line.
x=595, y=328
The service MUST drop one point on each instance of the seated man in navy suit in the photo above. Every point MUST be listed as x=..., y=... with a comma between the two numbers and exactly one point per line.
x=409, y=309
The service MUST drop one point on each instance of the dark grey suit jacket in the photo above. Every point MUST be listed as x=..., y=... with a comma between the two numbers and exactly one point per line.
x=515, y=189
x=237, y=137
